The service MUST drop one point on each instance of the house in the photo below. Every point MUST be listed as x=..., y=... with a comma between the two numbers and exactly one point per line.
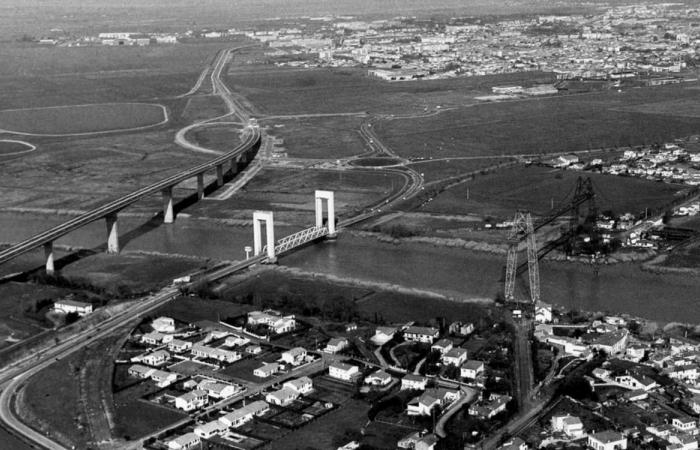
x=490, y=408
x=514, y=444
x=635, y=352
x=154, y=338
x=685, y=372
x=418, y=440
x=461, y=329
x=302, y=385
x=378, y=378
x=415, y=382
x=210, y=429
x=67, y=306
x=457, y=356
x=179, y=346
x=543, y=312
x=607, y=440
x=156, y=358
x=294, y=356
x=253, y=349
x=636, y=396
x=266, y=370
x=636, y=381
x=685, y=425
x=694, y=403
x=139, y=371
x=443, y=346
x=184, y=442
x=472, y=369
x=446, y=396
x=219, y=354
x=427, y=442
x=382, y=335
x=242, y=415
x=682, y=345
x=191, y=400
x=282, y=397
x=570, y=425
x=163, y=378
x=343, y=371
x=236, y=341
x=421, y=334
x=611, y=343
x=422, y=405
x=217, y=389
x=336, y=345
x=163, y=325
x=275, y=321
x=570, y=346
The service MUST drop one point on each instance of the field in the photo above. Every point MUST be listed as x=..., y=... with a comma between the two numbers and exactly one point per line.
x=11, y=147
x=193, y=309
x=218, y=137
x=438, y=170
x=538, y=126
x=537, y=188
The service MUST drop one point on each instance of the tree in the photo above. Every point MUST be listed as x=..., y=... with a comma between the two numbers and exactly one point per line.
x=72, y=317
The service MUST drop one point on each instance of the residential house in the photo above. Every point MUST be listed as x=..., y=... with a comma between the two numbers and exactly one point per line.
x=184, y=442
x=294, y=356
x=682, y=345
x=179, y=346
x=275, y=321
x=694, y=403
x=382, y=335
x=302, y=385
x=378, y=378
x=282, y=397
x=607, y=440
x=570, y=425
x=155, y=338
x=336, y=345
x=570, y=346
x=156, y=358
x=67, y=306
x=472, y=369
x=427, y=442
x=421, y=334
x=685, y=425
x=422, y=405
x=164, y=325
x=457, y=356
x=685, y=372
x=635, y=352
x=543, y=312
x=343, y=371
x=489, y=408
x=191, y=400
x=163, y=378
x=253, y=349
x=634, y=381
x=611, y=343
x=266, y=370
x=242, y=415
x=217, y=389
x=352, y=326
x=443, y=346
x=461, y=329
x=210, y=429
x=219, y=354
x=139, y=371
x=415, y=382
x=236, y=341
x=514, y=444
x=418, y=440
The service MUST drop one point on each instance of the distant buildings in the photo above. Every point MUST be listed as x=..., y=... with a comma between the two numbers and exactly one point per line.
x=67, y=306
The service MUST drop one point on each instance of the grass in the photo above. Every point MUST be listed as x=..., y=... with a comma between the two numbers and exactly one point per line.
x=221, y=137
x=7, y=147
x=81, y=118
x=438, y=170
x=193, y=309
x=139, y=418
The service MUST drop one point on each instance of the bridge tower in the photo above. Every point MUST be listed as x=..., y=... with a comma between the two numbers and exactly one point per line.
x=522, y=224
x=258, y=218
x=329, y=197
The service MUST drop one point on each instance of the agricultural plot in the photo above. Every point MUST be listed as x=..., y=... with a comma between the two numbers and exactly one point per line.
x=82, y=119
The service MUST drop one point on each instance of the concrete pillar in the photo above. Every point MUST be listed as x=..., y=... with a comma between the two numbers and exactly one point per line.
x=112, y=234
x=48, y=252
x=220, y=175
x=234, y=166
x=168, y=214
x=258, y=218
x=200, y=186
x=329, y=197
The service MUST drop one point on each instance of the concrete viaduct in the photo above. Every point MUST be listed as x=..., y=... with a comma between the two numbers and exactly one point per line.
x=222, y=164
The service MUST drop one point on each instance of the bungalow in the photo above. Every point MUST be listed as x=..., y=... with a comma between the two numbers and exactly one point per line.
x=443, y=346
x=179, y=346
x=242, y=415
x=472, y=369
x=422, y=405
x=219, y=354
x=210, y=429
x=461, y=329
x=163, y=378
x=636, y=381
x=446, y=396
x=570, y=425
x=570, y=345
x=611, y=343
x=163, y=325
x=302, y=385
x=236, y=341
x=266, y=370
x=421, y=334
x=378, y=378
x=154, y=338
x=156, y=358
x=282, y=397
x=274, y=321
x=139, y=371
x=415, y=382
x=343, y=371
x=490, y=408
x=184, y=442
x=336, y=345
x=457, y=356
x=382, y=335
x=294, y=356
x=191, y=400
x=418, y=440
x=253, y=349
x=543, y=312
x=68, y=306
x=607, y=440
x=217, y=389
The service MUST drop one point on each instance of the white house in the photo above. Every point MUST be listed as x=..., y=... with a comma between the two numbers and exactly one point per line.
x=155, y=338
x=457, y=356
x=336, y=345
x=210, y=429
x=139, y=371
x=607, y=440
x=302, y=385
x=163, y=378
x=276, y=322
x=382, y=335
x=219, y=354
x=472, y=369
x=67, y=306
x=253, y=349
x=488, y=409
x=463, y=329
x=164, y=325
x=685, y=425
x=421, y=334
x=343, y=371
x=282, y=397
x=191, y=400
x=242, y=415
x=543, y=312
x=266, y=370
x=415, y=382
x=636, y=381
x=378, y=378
x=236, y=341
x=611, y=343
x=156, y=358
x=294, y=356
x=184, y=442
x=443, y=346
x=179, y=346
x=570, y=425
x=422, y=405
x=217, y=389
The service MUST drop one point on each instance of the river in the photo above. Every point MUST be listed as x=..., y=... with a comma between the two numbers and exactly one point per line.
x=456, y=273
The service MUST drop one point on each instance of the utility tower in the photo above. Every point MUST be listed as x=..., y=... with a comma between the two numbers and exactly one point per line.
x=522, y=225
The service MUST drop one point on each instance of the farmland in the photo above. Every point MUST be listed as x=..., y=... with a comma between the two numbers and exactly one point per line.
x=82, y=119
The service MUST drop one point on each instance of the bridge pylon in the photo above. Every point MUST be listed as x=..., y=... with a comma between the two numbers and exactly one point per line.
x=258, y=218
x=522, y=224
x=329, y=197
